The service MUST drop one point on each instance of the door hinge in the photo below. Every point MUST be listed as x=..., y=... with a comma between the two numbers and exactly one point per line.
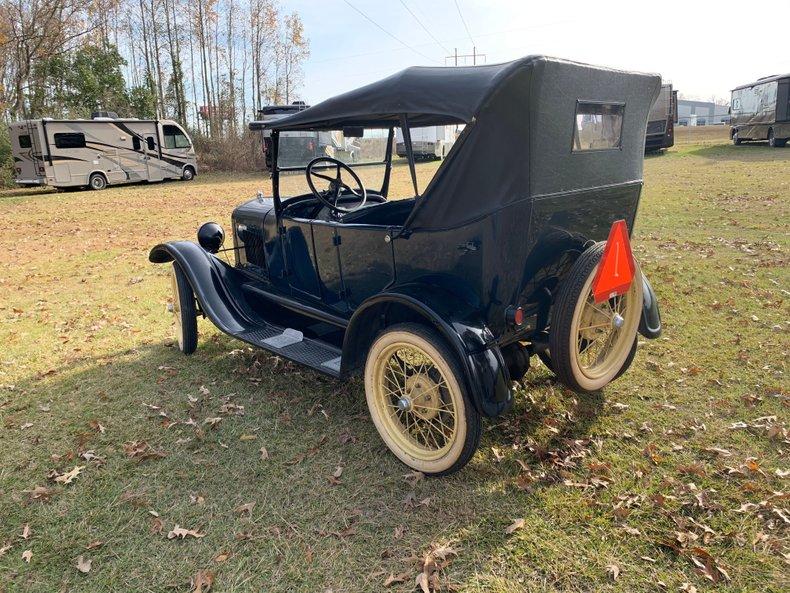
x=336, y=240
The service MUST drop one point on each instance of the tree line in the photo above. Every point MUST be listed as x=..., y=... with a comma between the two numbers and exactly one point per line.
x=209, y=64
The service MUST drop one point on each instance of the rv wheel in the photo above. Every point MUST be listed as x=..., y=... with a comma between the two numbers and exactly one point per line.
x=184, y=311
x=735, y=139
x=590, y=343
x=97, y=181
x=418, y=400
x=188, y=174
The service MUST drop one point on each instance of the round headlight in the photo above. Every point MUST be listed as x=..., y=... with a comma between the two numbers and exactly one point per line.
x=211, y=237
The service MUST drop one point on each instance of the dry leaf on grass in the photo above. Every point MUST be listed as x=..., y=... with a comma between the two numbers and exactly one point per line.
x=264, y=454
x=157, y=525
x=84, y=565
x=221, y=557
x=27, y=555
x=25, y=531
x=515, y=526
x=40, y=493
x=248, y=437
x=613, y=571
x=244, y=508
x=69, y=476
x=182, y=533
x=4, y=549
x=334, y=479
x=202, y=581
x=396, y=578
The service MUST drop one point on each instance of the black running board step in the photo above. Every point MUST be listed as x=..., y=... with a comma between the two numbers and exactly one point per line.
x=315, y=354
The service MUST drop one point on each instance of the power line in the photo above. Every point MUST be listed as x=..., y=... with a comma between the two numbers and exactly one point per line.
x=463, y=20
x=424, y=28
x=390, y=34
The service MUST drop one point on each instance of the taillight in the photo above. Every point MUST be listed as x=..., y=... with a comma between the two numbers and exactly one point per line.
x=514, y=316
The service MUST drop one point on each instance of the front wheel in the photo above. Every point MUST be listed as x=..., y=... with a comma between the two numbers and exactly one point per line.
x=184, y=310
x=590, y=343
x=417, y=399
x=97, y=181
x=188, y=174
x=735, y=140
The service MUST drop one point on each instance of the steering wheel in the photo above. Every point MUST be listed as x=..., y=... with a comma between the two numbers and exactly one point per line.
x=331, y=196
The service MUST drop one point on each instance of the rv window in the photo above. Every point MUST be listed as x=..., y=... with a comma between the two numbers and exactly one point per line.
x=150, y=141
x=174, y=137
x=135, y=143
x=599, y=126
x=24, y=141
x=70, y=140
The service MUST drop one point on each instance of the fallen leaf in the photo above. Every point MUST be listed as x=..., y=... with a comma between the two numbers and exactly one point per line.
x=517, y=524
x=202, y=581
x=221, y=557
x=264, y=454
x=244, y=508
x=212, y=421
x=334, y=479
x=248, y=437
x=94, y=544
x=83, y=565
x=157, y=525
x=26, y=531
x=27, y=555
x=4, y=549
x=69, y=476
x=422, y=582
x=182, y=533
x=40, y=493
x=413, y=477
x=613, y=571
x=396, y=578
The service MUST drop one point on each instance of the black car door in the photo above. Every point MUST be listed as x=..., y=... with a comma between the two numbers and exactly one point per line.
x=366, y=261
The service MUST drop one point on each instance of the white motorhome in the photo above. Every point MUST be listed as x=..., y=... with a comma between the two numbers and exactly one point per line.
x=99, y=152
x=432, y=142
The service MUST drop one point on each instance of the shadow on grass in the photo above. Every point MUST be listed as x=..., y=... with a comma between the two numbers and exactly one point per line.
x=310, y=425
x=748, y=151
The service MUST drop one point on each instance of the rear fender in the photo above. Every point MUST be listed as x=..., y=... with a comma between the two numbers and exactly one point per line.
x=485, y=372
x=650, y=323
x=217, y=286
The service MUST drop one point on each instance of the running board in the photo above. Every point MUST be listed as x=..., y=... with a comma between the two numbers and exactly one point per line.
x=291, y=344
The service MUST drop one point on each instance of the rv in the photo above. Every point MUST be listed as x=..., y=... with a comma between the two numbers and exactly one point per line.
x=432, y=142
x=294, y=145
x=662, y=119
x=761, y=111
x=99, y=152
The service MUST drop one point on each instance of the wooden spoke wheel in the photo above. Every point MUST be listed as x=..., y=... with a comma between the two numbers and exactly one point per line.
x=591, y=344
x=417, y=400
x=184, y=310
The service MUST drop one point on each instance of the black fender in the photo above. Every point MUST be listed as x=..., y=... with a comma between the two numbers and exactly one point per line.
x=650, y=323
x=217, y=285
x=485, y=372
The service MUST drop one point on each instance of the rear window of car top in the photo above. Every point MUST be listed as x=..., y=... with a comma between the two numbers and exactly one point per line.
x=598, y=126
x=24, y=141
x=70, y=140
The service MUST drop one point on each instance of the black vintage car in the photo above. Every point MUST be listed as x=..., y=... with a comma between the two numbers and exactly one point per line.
x=518, y=246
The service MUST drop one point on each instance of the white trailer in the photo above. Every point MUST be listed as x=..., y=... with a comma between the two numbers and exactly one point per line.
x=99, y=152
x=432, y=142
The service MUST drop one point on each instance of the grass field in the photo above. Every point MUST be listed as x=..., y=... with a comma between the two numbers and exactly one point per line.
x=673, y=479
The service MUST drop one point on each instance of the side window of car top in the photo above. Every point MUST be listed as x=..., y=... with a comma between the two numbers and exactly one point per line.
x=174, y=137
x=150, y=141
x=135, y=143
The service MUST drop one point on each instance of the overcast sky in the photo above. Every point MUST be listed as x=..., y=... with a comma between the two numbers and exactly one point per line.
x=694, y=45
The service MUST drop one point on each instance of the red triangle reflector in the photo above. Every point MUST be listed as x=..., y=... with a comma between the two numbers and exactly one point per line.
x=616, y=270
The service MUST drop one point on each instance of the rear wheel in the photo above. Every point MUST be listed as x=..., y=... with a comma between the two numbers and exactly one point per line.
x=417, y=399
x=771, y=138
x=184, y=311
x=735, y=139
x=592, y=343
x=97, y=181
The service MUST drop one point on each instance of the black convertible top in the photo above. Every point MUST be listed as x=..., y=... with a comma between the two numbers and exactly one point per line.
x=517, y=144
x=429, y=96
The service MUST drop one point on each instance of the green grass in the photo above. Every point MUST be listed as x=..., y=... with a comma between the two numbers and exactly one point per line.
x=599, y=480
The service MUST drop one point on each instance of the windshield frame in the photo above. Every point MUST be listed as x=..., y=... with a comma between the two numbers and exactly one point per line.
x=276, y=168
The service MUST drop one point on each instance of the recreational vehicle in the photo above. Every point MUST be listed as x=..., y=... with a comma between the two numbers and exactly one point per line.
x=761, y=111
x=662, y=119
x=99, y=152
x=432, y=142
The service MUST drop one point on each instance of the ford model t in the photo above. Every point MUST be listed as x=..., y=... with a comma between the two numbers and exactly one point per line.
x=517, y=246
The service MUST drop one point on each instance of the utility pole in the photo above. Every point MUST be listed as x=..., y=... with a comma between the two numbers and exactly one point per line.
x=474, y=55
